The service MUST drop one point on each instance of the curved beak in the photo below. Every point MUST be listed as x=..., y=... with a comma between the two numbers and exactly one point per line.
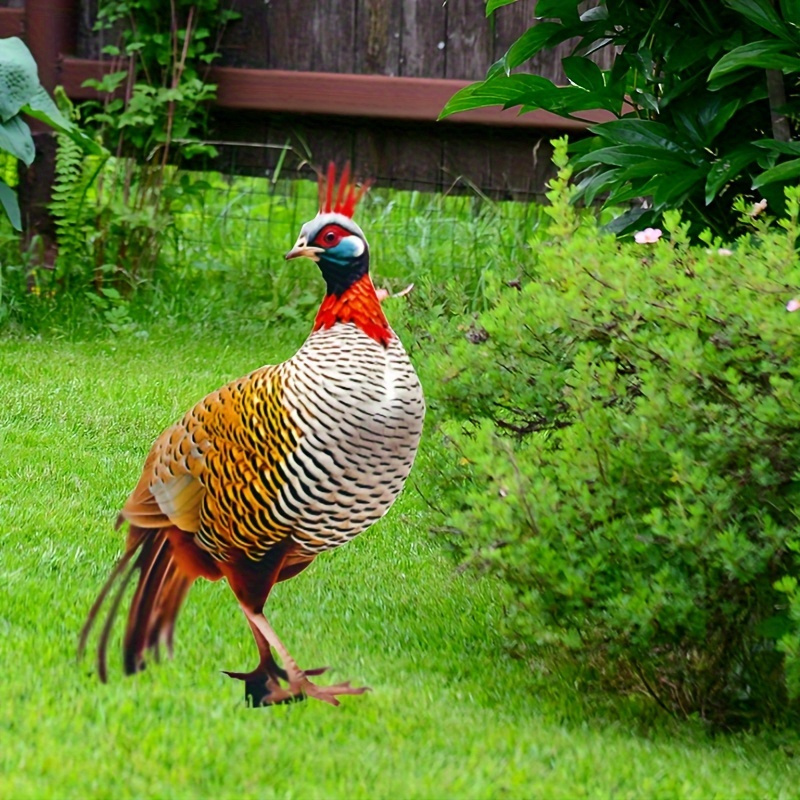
x=302, y=250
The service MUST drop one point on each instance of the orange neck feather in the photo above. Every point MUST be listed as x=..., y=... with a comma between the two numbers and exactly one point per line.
x=357, y=304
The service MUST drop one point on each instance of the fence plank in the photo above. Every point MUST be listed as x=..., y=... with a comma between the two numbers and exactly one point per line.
x=422, y=40
x=469, y=44
x=377, y=42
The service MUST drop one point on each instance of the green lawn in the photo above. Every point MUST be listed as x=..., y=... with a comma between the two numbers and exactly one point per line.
x=451, y=715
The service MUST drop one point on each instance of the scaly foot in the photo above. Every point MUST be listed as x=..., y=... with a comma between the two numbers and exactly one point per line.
x=305, y=688
x=262, y=685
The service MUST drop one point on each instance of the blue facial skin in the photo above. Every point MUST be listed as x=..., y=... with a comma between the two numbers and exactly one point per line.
x=341, y=267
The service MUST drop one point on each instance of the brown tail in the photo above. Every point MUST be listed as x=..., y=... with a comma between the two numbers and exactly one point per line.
x=159, y=594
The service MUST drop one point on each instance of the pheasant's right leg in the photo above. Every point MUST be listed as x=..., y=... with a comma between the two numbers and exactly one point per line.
x=299, y=684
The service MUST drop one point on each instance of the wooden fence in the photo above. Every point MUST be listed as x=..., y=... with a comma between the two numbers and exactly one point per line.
x=358, y=79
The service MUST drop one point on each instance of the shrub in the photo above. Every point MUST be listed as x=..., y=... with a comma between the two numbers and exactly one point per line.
x=704, y=95
x=622, y=431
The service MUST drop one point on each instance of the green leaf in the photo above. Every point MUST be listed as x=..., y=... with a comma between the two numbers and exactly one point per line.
x=676, y=187
x=637, y=131
x=781, y=172
x=629, y=156
x=493, y=5
x=790, y=9
x=10, y=203
x=763, y=54
x=42, y=107
x=788, y=148
x=583, y=73
x=537, y=37
x=15, y=138
x=565, y=10
x=504, y=90
x=19, y=78
x=726, y=168
x=762, y=13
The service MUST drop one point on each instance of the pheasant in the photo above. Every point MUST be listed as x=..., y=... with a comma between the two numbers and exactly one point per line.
x=266, y=473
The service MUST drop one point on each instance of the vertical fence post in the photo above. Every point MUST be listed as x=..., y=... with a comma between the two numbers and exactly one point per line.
x=51, y=31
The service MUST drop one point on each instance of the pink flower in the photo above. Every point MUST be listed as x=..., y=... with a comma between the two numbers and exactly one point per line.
x=647, y=236
x=724, y=251
x=793, y=305
x=758, y=207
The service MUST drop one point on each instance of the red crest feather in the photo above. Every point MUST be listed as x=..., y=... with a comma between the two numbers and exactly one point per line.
x=344, y=199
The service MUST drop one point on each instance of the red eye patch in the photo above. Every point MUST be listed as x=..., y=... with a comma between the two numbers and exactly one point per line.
x=331, y=235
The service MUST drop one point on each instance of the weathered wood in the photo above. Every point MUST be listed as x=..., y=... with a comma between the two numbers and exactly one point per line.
x=423, y=38
x=12, y=22
x=469, y=45
x=377, y=41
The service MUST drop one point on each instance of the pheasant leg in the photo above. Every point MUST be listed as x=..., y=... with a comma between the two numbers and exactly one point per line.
x=299, y=684
x=263, y=681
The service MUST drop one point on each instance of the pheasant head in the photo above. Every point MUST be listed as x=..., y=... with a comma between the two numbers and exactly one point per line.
x=341, y=251
x=332, y=239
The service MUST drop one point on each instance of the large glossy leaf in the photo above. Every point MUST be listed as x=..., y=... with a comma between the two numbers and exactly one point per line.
x=8, y=199
x=493, y=5
x=570, y=100
x=790, y=9
x=565, y=10
x=583, y=73
x=628, y=156
x=631, y=220
x=637, y=131
x=762, y=13
x=764, y=54
x=676, y=187
x=726, y=168
x=596, y=183
x=788, y=148
x=15, y=138
x=504, y=90
x=704, y=115
x=781, y=172
x=537, y=37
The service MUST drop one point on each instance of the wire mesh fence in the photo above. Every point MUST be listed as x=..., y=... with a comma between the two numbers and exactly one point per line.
x=244, y=225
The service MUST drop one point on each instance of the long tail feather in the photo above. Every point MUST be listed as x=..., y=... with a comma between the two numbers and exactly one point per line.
x=160, y=592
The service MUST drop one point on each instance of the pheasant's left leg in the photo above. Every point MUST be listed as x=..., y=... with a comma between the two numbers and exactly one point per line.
x=262, y=682
x=299, y=684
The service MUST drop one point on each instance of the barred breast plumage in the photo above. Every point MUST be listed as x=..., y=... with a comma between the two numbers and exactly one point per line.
x=316, y=448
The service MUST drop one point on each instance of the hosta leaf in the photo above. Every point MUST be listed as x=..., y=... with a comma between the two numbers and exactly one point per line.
x=8, y=199
x=15, y=138
x=19, y=78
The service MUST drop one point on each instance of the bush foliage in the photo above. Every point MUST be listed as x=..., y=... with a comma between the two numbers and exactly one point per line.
x=623, y=430
x=704, y=97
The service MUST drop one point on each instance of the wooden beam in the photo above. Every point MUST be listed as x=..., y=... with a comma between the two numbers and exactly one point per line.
x=334, y=94
x=12, y=22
